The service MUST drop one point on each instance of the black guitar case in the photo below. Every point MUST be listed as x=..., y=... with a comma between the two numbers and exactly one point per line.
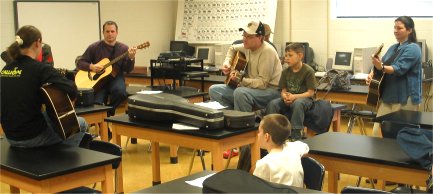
x=165, y=107
x=237, y=119
x=85, y=97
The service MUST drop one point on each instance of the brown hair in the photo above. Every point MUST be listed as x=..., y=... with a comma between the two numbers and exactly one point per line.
x=109, y=23
x=24, y=38
x=278, y=126
x=296, y=47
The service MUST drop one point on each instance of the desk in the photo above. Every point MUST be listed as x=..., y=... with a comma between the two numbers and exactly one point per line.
x=365, y=156
x=180, y=186
x=424, y=119
x=215, y=141
x=55, y=168
x=95, y=114
x=356, y=95
x=190, y=93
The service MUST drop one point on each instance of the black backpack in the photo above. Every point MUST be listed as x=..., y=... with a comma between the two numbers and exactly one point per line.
x=239, y=181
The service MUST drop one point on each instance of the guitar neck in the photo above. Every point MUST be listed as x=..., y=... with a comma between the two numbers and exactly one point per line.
x=115, y=60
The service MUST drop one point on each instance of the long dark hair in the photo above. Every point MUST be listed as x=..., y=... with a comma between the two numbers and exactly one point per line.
x=408, y=24
x=24, y=38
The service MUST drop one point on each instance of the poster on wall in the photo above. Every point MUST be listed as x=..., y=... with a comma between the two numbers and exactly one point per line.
x=218, y=21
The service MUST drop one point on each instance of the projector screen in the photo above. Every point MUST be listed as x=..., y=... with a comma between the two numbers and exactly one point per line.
x=67, y=26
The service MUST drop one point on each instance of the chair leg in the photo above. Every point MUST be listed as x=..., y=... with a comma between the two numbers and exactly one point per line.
x=127, y=141
x=202, y=159
x=350, y=124
x=363, y=130
x=191, y=161
x=358, y=182
x=229, y=158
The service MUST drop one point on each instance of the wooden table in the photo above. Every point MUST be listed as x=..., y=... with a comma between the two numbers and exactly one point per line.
x=55, y=168
x=365, y=156
x=424, y=119
x=95, y=115
x=357, y=94
x=216, y=141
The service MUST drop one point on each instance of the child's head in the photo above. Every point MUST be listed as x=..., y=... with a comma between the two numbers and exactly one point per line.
x=274, y=129
x=294, y=54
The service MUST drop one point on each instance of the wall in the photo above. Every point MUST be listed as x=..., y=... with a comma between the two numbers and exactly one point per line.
x=139, y=21
x=297, y=20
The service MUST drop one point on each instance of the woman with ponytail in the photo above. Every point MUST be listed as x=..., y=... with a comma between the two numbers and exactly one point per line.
x=402, y=68
x=22, y=120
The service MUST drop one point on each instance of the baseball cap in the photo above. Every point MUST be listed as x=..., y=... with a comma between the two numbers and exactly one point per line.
x=268, y=29
x=254, y=27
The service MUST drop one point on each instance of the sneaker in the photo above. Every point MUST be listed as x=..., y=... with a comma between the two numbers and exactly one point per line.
x=226, y=153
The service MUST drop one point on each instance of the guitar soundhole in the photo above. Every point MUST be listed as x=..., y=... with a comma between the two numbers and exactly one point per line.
x=97, y=75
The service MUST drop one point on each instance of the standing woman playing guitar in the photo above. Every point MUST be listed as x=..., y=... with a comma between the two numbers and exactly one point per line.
x=403, y=79
x=23, y=122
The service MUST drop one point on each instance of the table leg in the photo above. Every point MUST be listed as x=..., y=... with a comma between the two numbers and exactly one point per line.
x=104, y=131
x=173, y=154
x=332, y=182
x=255, y=154
x=156, y=170
x=117, y=139
x=380, y=184
x=336, y=121
x=14, y=189
x=217, y=159
x=107, y=183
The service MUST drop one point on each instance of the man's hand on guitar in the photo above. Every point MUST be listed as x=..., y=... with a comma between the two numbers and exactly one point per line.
x=131, y=52
x=96, y=67
x=226, y=68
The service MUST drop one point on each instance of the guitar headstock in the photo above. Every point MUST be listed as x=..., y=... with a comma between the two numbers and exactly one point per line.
x=378, y=51
x=144, y=45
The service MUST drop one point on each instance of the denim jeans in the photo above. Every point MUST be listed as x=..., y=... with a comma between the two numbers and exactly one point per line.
x=50, y=137
x=116, y=88
x=242, y=98
x=418, y=144
x=295, y=112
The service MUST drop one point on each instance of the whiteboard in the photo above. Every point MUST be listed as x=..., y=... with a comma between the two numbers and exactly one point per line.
x=218, y=21
x=69, y=27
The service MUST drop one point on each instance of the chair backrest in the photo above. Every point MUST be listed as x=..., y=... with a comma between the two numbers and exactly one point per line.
x=351, y=189
x=85, y=142
x=107, y=147
x=314, y=173
x=390, y=129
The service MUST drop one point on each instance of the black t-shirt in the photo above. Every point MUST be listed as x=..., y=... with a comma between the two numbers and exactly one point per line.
x=21, y=96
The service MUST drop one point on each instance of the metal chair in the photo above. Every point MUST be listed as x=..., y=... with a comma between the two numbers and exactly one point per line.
x=314, y=173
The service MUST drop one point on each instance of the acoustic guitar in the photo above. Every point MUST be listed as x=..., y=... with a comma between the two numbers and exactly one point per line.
x=96, y=80
x=238, y=67
x=375, y=87
x=61, y=111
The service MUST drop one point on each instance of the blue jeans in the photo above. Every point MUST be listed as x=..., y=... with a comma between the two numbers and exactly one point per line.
x=50, y=137
x=116, y=88
x=295, y=111
x=418, y=144
x=242, y=98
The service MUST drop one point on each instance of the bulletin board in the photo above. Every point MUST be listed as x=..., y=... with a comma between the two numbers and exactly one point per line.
x=69, y=27
x=218, y=21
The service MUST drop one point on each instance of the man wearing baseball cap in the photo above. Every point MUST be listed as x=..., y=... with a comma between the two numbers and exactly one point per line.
x=260, y=82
